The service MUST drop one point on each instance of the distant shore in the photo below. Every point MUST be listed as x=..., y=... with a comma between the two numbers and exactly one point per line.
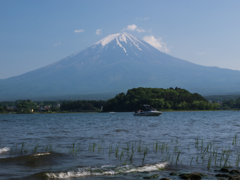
x=68, y=112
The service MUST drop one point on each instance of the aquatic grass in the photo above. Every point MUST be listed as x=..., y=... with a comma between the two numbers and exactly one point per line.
x=99, y=147
x=178, y=155
x=167, y=158
x=198, y=151
x=116, y=153
x=207, y=152
x=125, y=162
x=110, y=149
x=93, y=147
x=215, y=160
x=201, y=145
x=176, y=147
x=35, y=149
x=144, y=154
x=155, y=147
x=48, y=148
x=204, y=153
x=75, y=149
x=163, y=147
x=166, y=148
x=133, y=148
x=197, y=159
x=128, y=147
x=196, y=142
x=191, y=161
x=226, y=158
x=22, y=147
x=171, y=161
x=237, y=160
x=140, y=146
x=209, y=162
x=121, y=155
x=72, y=151
x=131, y=157
x=234, y=140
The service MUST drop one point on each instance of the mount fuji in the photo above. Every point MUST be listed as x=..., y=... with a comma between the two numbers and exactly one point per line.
x=114, y=64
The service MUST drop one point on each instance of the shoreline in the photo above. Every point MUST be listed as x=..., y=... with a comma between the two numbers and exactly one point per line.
x=115, y=112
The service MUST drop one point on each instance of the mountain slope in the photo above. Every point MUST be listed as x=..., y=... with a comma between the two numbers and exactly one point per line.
x=117, y=63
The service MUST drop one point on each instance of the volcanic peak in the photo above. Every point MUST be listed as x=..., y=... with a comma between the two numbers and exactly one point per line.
x=121, y=38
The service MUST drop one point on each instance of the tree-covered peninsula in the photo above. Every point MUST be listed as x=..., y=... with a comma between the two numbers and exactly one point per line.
x=168, y=99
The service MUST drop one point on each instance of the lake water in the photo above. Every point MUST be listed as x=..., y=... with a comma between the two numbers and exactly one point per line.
x=117, y=145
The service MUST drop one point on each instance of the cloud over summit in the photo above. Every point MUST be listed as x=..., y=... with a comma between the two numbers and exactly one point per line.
x=134, y=27
x=157, y=43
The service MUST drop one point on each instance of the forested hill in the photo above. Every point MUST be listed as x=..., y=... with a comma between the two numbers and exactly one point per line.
x=176, y=99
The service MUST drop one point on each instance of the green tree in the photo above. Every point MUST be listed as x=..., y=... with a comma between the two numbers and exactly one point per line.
x=237, y=103
x=167, y=105
x=177, y=99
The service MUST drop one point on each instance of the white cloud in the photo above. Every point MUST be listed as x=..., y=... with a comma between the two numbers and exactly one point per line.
x=200, y=53
x=79, y=31
x=57, y=44
x=142, y=18
x=157, y=43
x=133, y=27
x=140, y=30
x=98, y=32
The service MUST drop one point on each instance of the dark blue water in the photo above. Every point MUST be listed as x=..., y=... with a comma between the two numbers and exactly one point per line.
x=117, y=145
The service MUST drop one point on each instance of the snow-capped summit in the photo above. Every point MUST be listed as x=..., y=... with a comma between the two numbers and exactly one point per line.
x=122, y=40
x=108, y=39
x=114, y=64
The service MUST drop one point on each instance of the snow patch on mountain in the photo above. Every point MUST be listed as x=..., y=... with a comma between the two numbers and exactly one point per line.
x=121, y=39
x=108, y=39
x=118, y=43
x=136, y=40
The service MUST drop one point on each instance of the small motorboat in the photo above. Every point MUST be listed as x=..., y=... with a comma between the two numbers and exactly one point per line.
x=148, y=111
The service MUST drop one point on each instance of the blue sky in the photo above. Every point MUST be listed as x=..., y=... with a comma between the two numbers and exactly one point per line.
x=34, y=34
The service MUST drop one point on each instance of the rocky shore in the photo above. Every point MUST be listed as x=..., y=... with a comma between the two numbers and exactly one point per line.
x=222, y=174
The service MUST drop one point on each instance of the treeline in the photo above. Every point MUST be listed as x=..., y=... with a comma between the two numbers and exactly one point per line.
x=38, y=103
x=175, y=99
x=162, y=99
x=231, y=104
x=20, y=106
x=222, y=98
x=82, y=105
x=28, y=106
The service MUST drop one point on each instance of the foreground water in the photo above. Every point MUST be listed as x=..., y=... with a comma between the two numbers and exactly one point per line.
x=117, y=145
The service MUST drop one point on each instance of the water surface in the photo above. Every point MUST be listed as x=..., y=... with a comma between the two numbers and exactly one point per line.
x=117, y=145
